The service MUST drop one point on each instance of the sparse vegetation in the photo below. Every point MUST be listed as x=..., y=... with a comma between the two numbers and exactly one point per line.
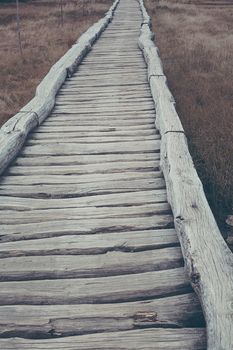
x=195, y=39
x=44, y=41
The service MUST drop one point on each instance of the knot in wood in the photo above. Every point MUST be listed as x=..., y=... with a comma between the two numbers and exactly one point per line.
x=145, y=316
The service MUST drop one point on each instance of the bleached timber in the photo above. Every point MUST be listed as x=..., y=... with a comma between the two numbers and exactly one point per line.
x=208, y=260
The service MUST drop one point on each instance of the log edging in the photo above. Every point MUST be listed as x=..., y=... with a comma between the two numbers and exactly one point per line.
x=14, y=132
x=208, y=260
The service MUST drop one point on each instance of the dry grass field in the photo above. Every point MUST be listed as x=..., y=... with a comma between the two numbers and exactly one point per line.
x=44, y=41
x=195, y=39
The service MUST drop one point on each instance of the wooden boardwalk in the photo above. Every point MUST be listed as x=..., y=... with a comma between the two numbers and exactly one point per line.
x=90, y=258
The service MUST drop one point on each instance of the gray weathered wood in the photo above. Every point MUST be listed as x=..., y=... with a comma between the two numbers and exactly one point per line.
x=84, y=169
x=80, y=213
x=64, y=320
x=72, y=148
x=111, y=263
x=67, y=189
x=96, y=244
x=172, y=339
x=124, y=199
x=96, y=290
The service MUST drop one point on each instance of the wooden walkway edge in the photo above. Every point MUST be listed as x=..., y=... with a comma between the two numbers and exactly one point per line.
x=89, y=253
x=208, y=259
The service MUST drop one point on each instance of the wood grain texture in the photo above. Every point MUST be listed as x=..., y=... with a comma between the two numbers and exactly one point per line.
x=97, y=265
x=169, y=339
x=99, y=243
x=96, y=290
x=31, y=321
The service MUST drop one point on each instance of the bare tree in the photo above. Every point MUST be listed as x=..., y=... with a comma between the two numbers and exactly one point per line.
x=18, y=28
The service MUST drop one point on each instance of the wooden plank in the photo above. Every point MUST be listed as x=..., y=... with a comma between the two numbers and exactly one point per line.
x=123, y=199
x=99, y=243
x=69, y=190
x=112, y=263
x=83, y=169
x=110, y=102
x=108, y=117
x=85, y=159
x=100, y=181
x=10, y=217
x=99, y=119
x=101, y=97
x=96, y=290
x=129, y=96
x=95, y=134
x=29, y=321
x=91, y=226
x=73, y=148
x=126, y=91
x=88, y=160
x=97, y=122
x=104, y=109
x=173, y=339
x=38, y=138
x=81, y=129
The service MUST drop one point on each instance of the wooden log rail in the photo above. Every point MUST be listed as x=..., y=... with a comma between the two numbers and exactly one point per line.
x=208, y=260
x=14, y=132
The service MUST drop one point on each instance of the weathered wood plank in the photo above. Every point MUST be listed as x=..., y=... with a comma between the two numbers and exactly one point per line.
x=83, y=169
x=31, y=321
x=78, y=180
x=124, y=199
x=112, y=263
x=76, y=121
x=80, y=213
x=45, y=138
x=96, y=290
x=99, y=243
x=91, y=226
x=70, y=190
x=173, y=339
x=98, y=135
x=72, y=148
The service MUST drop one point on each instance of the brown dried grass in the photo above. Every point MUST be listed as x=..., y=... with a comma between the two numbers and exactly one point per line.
x=195, y=39
x=44, y=41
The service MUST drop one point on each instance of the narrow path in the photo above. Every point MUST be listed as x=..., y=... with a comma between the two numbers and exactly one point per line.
x=89, y=255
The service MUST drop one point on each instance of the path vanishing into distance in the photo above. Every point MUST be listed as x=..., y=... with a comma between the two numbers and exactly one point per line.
x=89, y=256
